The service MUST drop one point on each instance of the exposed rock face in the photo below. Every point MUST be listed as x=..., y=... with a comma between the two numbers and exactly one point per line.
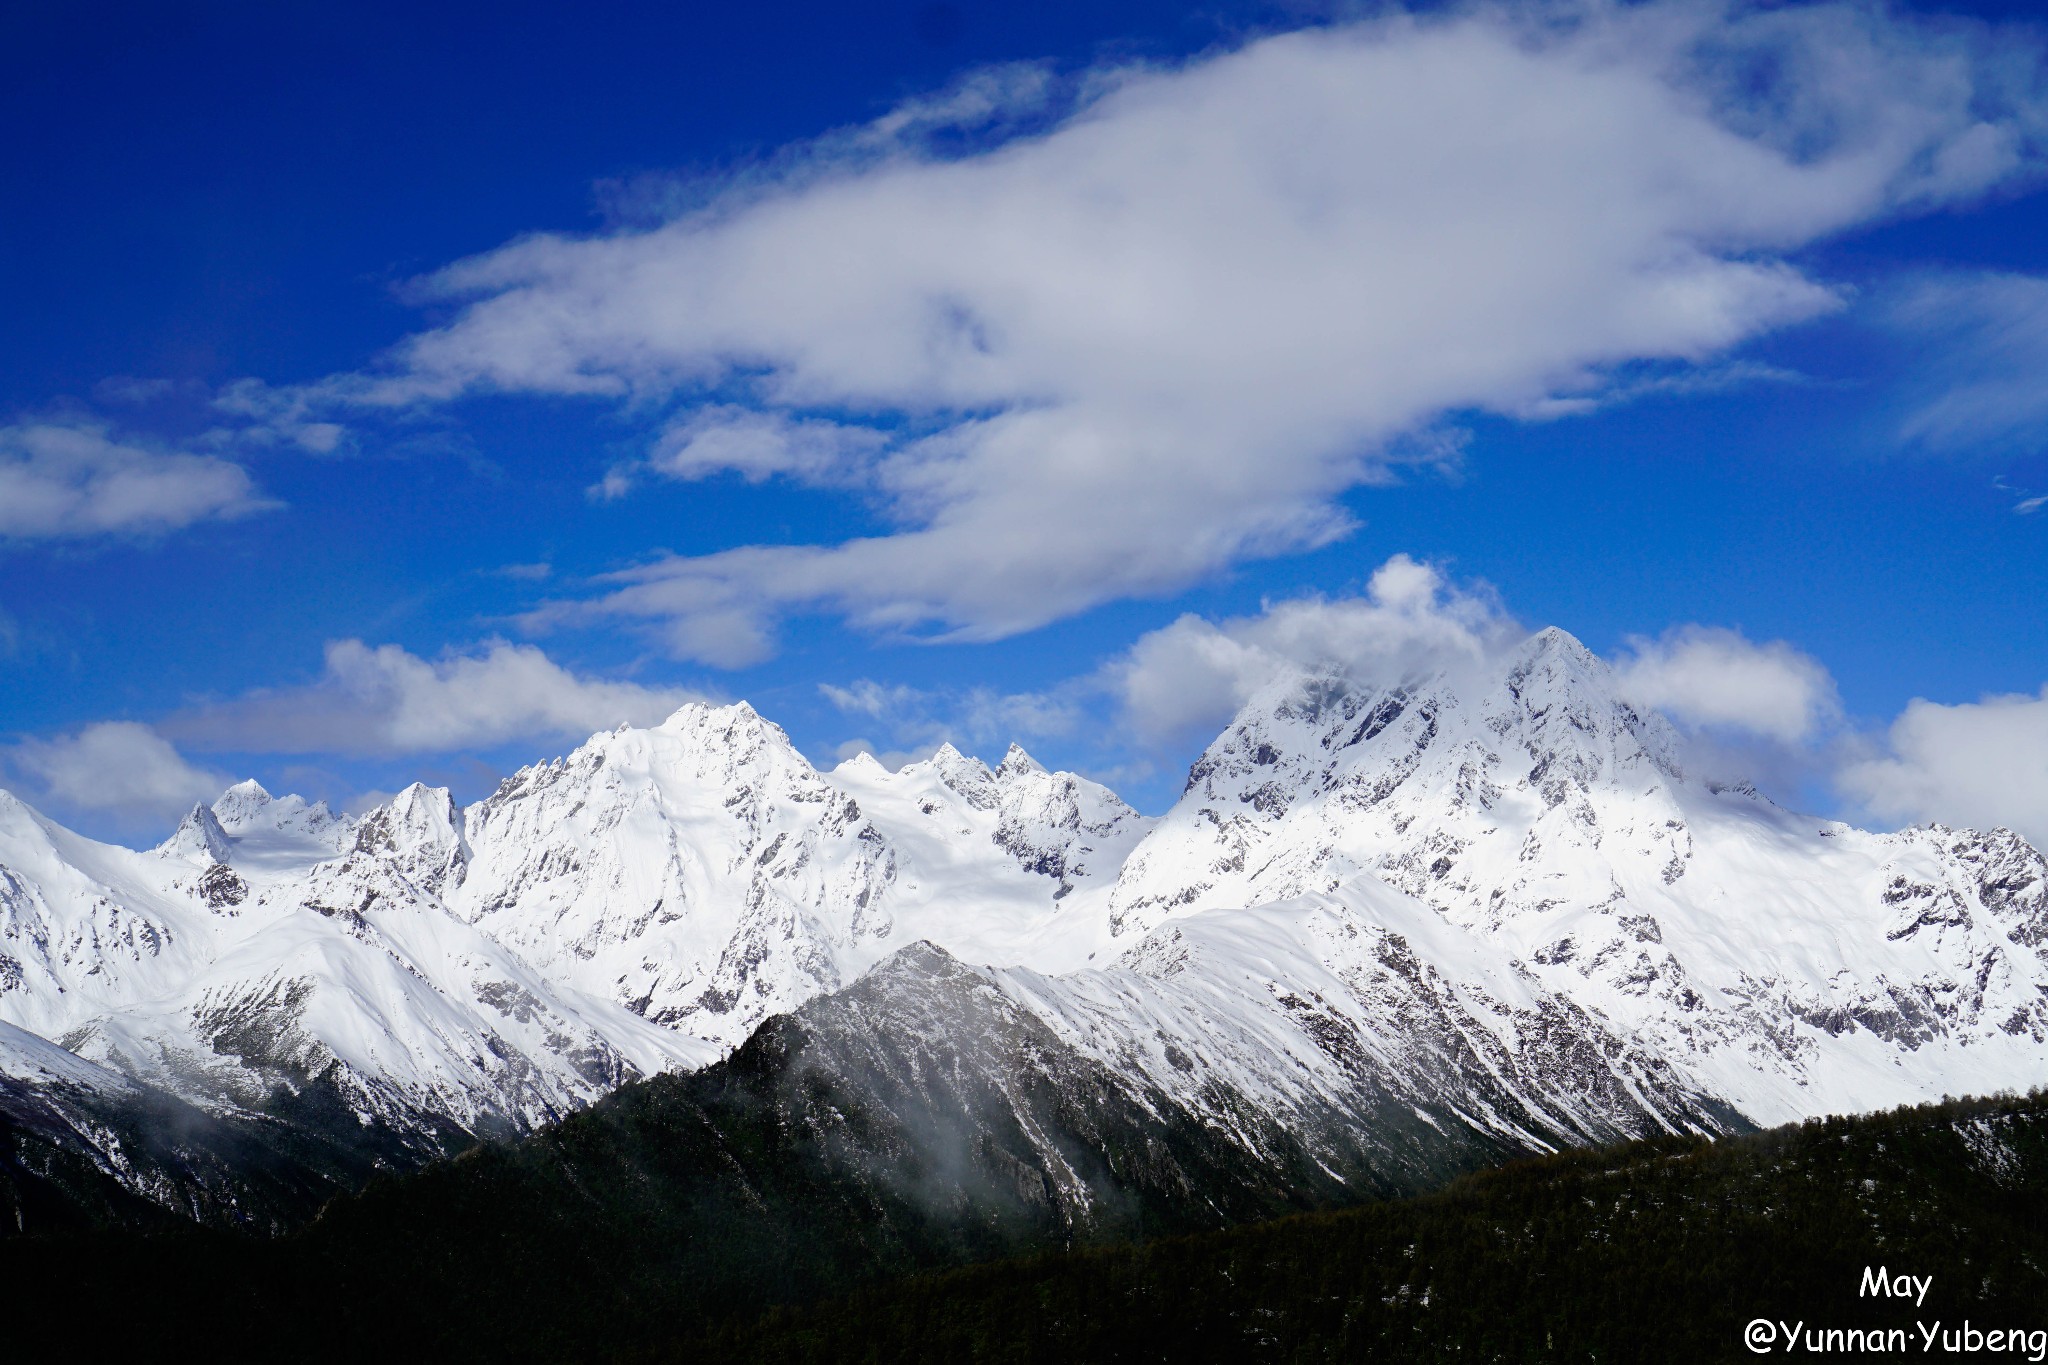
x=1386, y=930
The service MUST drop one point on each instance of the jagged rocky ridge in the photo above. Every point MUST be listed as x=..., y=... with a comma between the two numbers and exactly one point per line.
x=1386, y=932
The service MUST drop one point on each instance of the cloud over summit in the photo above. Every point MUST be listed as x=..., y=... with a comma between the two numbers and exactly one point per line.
x=1180, y=684
x=385, y=700
x=118, y=767
x=1714, y=677
x=1983, y=763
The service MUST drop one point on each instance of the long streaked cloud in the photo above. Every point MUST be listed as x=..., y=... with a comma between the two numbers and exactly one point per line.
x=71, y=478
x=1166, y=329
x=384, y=700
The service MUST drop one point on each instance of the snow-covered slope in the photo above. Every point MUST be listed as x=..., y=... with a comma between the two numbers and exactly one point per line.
x=705, y=876
x=296, y=949
x=1369, y=1029
x=638, y=906
x=1488, y=903
x=1793, y=965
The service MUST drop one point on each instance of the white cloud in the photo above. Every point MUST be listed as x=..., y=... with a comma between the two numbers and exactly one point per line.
x=1180, y=684
x=1982, y=342
x=756, y=445
x=118, y=768
x=874, y=700
x=1708, y=676
x=914, y=721
x=1184, y=682
x=66, y=478
x=1983, y=764
x=1764, y=712
x=388, y=701
x=268, y=416
x=1165, y=330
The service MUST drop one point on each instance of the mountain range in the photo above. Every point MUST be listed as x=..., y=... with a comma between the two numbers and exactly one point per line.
x=1389, y=932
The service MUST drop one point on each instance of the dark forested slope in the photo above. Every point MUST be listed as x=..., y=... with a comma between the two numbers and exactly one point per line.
x=910, y=1122
x=1655, y=1251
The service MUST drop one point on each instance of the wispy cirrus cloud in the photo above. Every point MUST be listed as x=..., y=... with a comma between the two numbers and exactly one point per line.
x=757, y=445
x=1981, y=354
x=1139, y=325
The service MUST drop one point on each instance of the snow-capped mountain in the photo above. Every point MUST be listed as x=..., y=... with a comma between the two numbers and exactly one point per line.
x=1791, y=965
x=1478, y=911
x=705, y=876
x=638, y=906
x=223, y=965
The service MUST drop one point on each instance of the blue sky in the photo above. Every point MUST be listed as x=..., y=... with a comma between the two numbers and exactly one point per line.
x=394, y=394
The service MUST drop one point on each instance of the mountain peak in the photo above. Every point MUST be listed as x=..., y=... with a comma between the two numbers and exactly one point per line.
x=1560, y=653
x=736, y=727
x=247, y=812
x=1017, y=762
x=696, y=715
x=968, y=776
x=240, y=804
x=687, y=716
x=419, y=796
x=420, y=831
x=1558, y=695
x=199, y=836
x=1557, y=640
x=1548, y=698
